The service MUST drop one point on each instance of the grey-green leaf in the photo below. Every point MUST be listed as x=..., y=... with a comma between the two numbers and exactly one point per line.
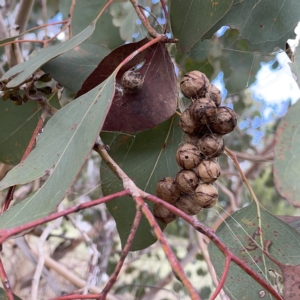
x=22, y=71
x=190, y=20
x=62, y=149
x=287, y=148
x=73, y=67
x=146, y=158
x=266, y=24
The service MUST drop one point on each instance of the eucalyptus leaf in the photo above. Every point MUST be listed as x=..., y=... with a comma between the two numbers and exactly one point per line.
x=146, y=158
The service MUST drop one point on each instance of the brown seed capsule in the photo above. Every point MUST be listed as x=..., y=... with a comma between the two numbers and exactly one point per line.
x=208, y=171
x=132, y=81
x=214, y=94
x=167, y=190
x=211, y=145
x=194, y=85
x=188, y=156
x=186, y=123
x=163, y=214
x=203, y=111
x=206, y=195
x=225, y=120
x=187, y=204
x=192, y=139
x=187, y=180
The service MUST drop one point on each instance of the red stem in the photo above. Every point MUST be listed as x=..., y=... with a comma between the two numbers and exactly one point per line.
x=176, y=267
x=223, y=278
x=163, y=5
x=6, y=233
x=5, y=282
x=214, y=238
x=113, y=277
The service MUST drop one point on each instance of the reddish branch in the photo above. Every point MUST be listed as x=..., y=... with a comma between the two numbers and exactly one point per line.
x=114, y=276
x=176, y=267
x=7, y=233
x=5, y=282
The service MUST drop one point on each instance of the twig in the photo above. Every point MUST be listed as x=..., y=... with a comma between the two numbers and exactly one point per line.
x=23, y=14
x=7, y=233
x=175, y=265
x=144, y=20
x=5, y=282
x=223, y=278
x=70, y=16
x=211, y=270
x=94, y=250
x=113, y=277
x=163, y=5
x=41, y=261
x=227, y=192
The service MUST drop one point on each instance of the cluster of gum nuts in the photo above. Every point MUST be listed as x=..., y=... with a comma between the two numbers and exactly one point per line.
x=204, y=122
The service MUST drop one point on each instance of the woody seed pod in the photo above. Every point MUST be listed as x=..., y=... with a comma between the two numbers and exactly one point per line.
x=211, y=145
x=167, y=190
x=188, y=156
x=225, y=120
x=206, y=195
x=187, y=204
x=187, y=181
x=208, y=171
x=163, y=214
x=214, y=94
x=132, y=81
x=203, y=110
x=194, y=85
x=186, y=123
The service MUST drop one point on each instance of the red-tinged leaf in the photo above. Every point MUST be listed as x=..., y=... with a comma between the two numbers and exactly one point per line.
x=154, y=103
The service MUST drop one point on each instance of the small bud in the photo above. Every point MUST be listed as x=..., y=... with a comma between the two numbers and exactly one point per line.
x=167, y=190
x=208, y=171
x=211, y=145
x=206, y=195
x=188, y=156
x=186, y=123
x=187, y=180
x=132, y=81
x=203, y=111
x=194, y=85
x=225, y=120
x=214, y=94
x=187, y=204
x=163, y=214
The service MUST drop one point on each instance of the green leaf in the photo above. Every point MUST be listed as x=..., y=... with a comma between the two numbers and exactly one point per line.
x=240, y=232
x=18, y=123
x=73, y=67
x=84, y=13
x=25, y=69
x=287, y=162
x=191, y=21
x=266, y=24
x=146, y=158
x=62, y=148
